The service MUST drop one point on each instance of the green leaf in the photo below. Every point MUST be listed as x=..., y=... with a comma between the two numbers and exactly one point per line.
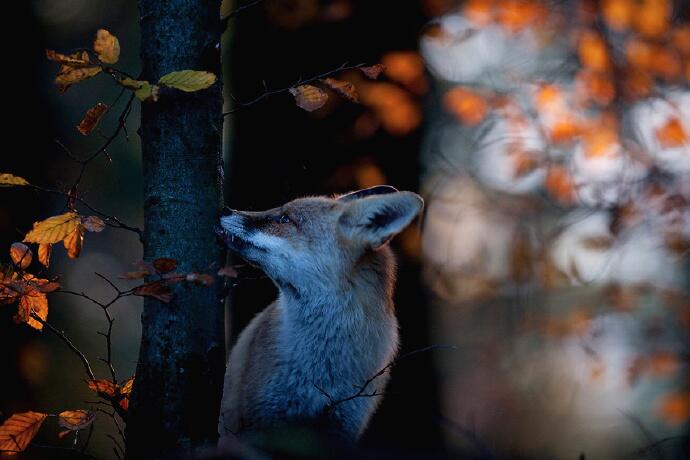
x=143, y=90
x=188, y=80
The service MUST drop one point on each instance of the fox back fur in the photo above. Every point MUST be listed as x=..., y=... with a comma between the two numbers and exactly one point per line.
x=333, y=326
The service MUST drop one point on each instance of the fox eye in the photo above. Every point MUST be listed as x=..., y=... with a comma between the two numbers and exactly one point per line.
x=284, y=219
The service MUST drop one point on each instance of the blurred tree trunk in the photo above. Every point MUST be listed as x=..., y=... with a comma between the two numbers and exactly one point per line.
x=179, y=375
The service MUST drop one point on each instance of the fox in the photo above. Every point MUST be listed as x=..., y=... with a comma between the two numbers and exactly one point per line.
x=333, y=326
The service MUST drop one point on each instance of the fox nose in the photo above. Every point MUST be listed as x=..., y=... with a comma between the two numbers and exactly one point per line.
x=226, y=211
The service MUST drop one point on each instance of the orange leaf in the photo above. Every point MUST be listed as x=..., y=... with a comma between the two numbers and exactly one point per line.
x=93, y=224
x=309, y=97
x=157, y=290
x=105, y=387
x=76, y=419
x=373, y=71
x=32, y=304
x=559, y=184
x=403, y=66
x=344, y=88
x=592, y=52
x=21, y=255
x=74, y=242
x=91, y=119
x=18, y=431
x=467, y=105
x=480, y=12
x=618, y=13
x=672, y=134
x=674, y=408
x=653, y=17
x=393, y=106
x=44, y=250
x=165, y=264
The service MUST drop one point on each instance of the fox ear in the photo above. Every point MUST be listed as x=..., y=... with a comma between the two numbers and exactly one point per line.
x=365, y=192
x=372, y=221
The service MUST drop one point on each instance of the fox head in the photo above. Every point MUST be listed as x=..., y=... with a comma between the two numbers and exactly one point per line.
x=317, y=241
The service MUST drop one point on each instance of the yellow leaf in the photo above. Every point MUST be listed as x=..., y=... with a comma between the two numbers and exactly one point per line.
x=344, y=88
x=309, y=97
x=188, y=80
x=44, y=250
x=106, y=46
x=21, y=255
x=91, y=119
x=18, y=431
x=54, y=229
x=76, y=419
x=9, y=180
x=93, y=224
x=74, y=242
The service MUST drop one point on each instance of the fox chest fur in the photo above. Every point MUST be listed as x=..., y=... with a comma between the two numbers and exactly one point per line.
x=312, y=357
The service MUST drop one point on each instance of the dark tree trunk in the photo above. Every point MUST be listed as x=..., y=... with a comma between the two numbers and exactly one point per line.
x=179, y=375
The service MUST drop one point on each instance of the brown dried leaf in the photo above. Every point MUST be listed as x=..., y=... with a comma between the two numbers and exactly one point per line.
x=344, y=88
x=54, y=229
x=157, y=290
x=164, y=264
x=21, y=255
x=228, y=272
x=309, y=97
x=18, y=431
x=49, y=287
x=74, y=242
x=32, y=304
x=106, y=46
x=373, y=71
x=93, y=224
x=91, y=119
x=76, y=419
x=9, y=180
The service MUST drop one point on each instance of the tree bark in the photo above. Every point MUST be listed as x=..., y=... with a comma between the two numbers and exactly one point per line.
x=179, y=376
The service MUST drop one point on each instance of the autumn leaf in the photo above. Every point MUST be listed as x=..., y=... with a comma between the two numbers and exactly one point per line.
x=32, y=304
x=228, y=272
x=125, y=392
x=309, y=97
x=21, y=255
x=54, y=229
x=674, y=408
x=18, y=431
x=74, y=241
x=30, y=292
x=466, y=105
x=44, y=250
x=106, y=46
x=104, y=387
x=618, y=13
x=344, y=88
x=75, y=420
x=73, y=68
x=652, y=17
x=592, y=52
x=373, y=71
x=91, y=119
x=672, y=134
x=93, y=224
x=188, y=80
x=143, y=90
x=164, y=264
x=10, y=180
x=157, y=290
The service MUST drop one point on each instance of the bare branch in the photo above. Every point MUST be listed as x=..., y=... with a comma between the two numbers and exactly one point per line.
x=68, y=342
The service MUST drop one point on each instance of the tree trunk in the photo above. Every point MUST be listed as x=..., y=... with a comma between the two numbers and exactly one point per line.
x=179, y=377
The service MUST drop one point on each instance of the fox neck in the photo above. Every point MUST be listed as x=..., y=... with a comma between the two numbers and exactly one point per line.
x=348, y=327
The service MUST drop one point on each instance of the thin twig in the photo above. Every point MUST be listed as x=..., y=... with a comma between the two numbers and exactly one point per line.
x=69, y=343
x=301, y=81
